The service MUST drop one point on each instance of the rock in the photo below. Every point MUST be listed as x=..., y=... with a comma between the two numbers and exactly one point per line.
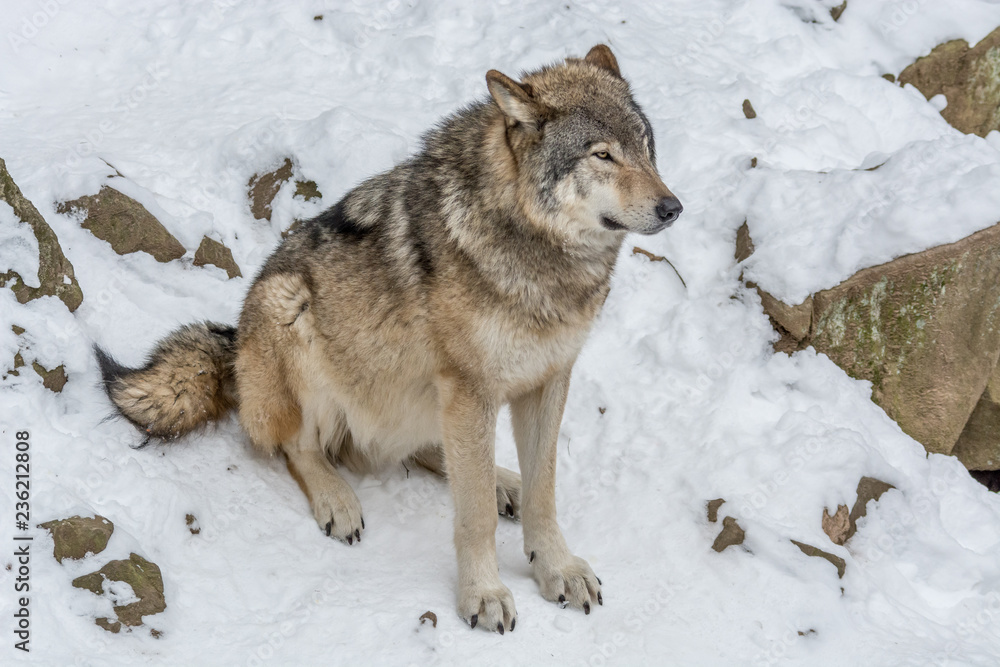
x=924, y=329
x=217, y=254
x=748, y=109
x=837, y=561
x=192, y=523
x=308, y=190
x=53, y=380
x=978, y=446
x=263, y=188
x=55, y=273
x=837, y=526
x=109, y=625
x=713, y=509
x=78, y=536
x=731, y=535
x=838, y=11
x=744, y=244
x=869, y=489
x=124, y=223
x=146, y=582
x=843, y=524
x=968, y=78
x=429, y=616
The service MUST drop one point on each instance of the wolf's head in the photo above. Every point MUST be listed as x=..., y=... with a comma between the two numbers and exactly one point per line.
x=583, y=149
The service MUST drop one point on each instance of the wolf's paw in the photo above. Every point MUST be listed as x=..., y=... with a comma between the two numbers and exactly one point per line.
x=508, y=493
x=568, y=581
x=338, y=513
x=490, y=607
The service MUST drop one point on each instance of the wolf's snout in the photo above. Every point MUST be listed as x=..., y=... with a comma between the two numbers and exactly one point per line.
x=668, y=208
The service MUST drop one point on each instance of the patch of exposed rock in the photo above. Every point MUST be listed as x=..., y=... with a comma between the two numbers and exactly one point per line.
x=55, y=272
x=124, y=223
x=924, y=329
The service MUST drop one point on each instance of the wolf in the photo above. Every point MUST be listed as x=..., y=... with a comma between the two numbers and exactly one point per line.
x=395, y=325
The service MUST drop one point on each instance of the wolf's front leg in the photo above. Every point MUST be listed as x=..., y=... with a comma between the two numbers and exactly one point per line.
x=563, y=577
x=469, y=425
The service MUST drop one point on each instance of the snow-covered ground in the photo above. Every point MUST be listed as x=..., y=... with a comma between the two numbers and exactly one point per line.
x=677, y=399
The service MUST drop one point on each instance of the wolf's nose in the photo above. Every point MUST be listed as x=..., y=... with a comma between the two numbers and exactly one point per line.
x=668, y=208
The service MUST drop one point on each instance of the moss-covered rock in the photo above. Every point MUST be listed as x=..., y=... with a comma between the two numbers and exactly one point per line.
x=924, y=329
x=146, y=582
x=969, y=78
x=124, y=223
x=78, y=536
x=55, y=273
x=217, y=254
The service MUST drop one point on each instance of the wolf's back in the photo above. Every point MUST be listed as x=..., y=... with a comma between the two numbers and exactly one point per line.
x=187, y=381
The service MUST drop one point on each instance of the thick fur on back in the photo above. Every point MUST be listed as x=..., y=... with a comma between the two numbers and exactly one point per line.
x=186, y=382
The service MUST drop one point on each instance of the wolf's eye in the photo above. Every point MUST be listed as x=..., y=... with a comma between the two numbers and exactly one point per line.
x=602, y=155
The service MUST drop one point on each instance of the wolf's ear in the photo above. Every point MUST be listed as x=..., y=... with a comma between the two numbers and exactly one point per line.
x=601, y=56
x=513, y=98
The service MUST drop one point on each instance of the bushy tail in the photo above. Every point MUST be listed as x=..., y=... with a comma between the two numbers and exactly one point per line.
x=187, y=381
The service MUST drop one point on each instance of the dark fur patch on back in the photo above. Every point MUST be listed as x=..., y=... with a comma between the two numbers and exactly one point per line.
x=336, y=220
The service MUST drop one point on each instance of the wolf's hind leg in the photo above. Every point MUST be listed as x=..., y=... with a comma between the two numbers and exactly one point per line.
x=333, y=501
x=508, y=481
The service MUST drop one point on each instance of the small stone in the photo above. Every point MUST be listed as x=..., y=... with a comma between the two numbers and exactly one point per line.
x=192, y=524
x=838, y=11
x=308, y=190
x=838, y=525
x=217, y=254
x=869, y=489
x=78, y=536
x=264, y=188
x=731, y=535
x=713, y=509
x=837, y=561
x=53, y=380
x=429, y=616
x=144, y=578
x=748, y=109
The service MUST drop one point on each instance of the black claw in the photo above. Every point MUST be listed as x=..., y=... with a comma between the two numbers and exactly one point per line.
x=350, y=539
x=598, y=580
x=329, y=527
x=500, y=627
x=357, y=534
x=600, y=599
x=562, y=601
x=513, y=622
x=510, y=510
x=531, y=558
x=474, y=620
x=586, y=607
x=362, y=523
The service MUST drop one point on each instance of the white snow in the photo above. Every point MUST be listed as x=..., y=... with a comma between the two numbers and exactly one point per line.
x=187, y=100
x=18, y=247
